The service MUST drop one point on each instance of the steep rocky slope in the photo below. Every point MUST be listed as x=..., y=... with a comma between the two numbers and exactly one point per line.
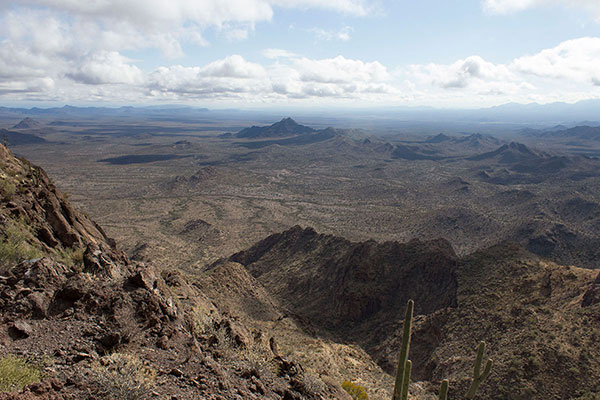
x=337, y=284
x=540, y=319
x=94, y=324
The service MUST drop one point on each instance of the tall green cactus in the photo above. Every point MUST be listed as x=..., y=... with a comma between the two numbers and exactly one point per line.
x=404, y=364
x=443, y=390
x=479, y=377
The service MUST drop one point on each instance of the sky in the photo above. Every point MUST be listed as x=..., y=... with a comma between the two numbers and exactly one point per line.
x=300, y=53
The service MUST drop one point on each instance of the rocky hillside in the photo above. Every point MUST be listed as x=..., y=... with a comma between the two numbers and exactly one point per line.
x=540, y=320
x=79, y=320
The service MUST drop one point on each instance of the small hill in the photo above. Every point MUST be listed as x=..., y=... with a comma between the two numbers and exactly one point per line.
x=284, y=128
x=439, y=138
x=18, y=138
x=190, y=183
x=28, y=123
x=509, y=153
x=477, y=140
x=299, y=140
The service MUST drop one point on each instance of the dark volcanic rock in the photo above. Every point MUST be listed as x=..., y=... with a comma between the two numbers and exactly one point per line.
x=356, y=291
x=333, y=281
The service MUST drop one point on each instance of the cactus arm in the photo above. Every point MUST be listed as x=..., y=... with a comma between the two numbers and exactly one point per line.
x=477, y=376
x=479, y=359
x=406, y=380
x=443, y=390
x=400, y=372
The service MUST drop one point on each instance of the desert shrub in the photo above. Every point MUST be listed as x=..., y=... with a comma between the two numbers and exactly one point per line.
x=71, y=256
x=14, y=245
x=122, y=376
x=16, y=373
x=355, y=391
x=7, y=188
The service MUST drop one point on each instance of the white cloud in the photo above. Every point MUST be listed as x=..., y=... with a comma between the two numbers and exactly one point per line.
x=574, y=60
x=322, y=34
x=107, y=68
x=298, y=78
x=234, y=66
x=462, y=73
x=511, y=6
x=232, y=76
x=339, y=70
x=60, y=46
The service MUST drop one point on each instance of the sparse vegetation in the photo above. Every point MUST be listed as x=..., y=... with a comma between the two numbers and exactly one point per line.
x=355, y=391
x=7, y=188
x=16, y=373
x=14, y=244
x=122, y=376
x=71, y=256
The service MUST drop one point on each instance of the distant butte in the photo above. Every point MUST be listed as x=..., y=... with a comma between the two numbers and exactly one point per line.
x=283, y=128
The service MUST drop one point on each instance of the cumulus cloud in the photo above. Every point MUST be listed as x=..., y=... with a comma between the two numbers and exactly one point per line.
x=232, y=76
x=463, y=73
x=511, y=6
x=575, y=60
x=233, y=67
x=107, y=68
x=69, y=50
x=337, y=77
x=297, y=78
x=339, y=70
x=59, y=44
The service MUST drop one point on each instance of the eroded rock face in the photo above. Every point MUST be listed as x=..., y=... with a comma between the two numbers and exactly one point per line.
x=356, y=291
x=37, y=203
x=335, y=282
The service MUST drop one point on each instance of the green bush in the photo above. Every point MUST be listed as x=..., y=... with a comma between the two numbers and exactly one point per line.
x=14, y=245
x=355, y=391
x=71, y=256
x=16, y=373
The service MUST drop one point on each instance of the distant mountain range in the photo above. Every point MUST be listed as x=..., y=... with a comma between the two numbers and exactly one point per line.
x=581, y=113
x=578, y=132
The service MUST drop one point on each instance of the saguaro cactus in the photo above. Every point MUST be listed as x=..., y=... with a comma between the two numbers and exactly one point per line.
x=404, y=364
x=443, y=390
x=479, y=377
